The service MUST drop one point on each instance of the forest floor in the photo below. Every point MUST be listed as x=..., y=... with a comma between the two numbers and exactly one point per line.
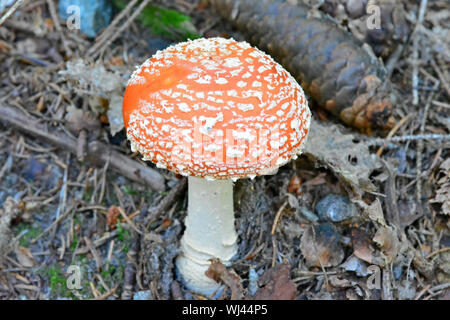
x=59, y=208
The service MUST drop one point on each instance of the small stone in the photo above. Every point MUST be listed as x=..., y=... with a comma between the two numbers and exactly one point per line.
x=143, y=295
x=335, y=208
x=95, y=15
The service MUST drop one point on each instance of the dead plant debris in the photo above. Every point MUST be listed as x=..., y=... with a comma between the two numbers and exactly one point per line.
x=72, y=194
x=276, y=284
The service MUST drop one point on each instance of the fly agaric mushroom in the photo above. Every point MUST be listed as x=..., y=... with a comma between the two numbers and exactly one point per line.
x=215, y=110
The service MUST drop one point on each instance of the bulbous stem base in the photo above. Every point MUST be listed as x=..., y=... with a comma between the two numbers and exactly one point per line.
x=209, y=233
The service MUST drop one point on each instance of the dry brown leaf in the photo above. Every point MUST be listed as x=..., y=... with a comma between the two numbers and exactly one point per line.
x=219, y=272
x=77, y=120
x=362, y=247
x=101, y=84
x=407, y=211
x=276, y=284
x=320, y=246
x=345, y=154
x=386, y=238
x=424, y=266
x=375, y=212
x=337, y=282
x=24, y=257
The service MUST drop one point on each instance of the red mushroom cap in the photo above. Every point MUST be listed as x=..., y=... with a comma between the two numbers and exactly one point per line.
x=215, y=108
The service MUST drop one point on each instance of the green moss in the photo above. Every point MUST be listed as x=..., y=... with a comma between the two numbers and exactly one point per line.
x=77, y=220
x=57, y=282
x=165, y=22
x=113, y=274
x=129, y=191
x=30, y=232
x=148, y=196
x=122, y=234
x=74, y=243
x=87, y=195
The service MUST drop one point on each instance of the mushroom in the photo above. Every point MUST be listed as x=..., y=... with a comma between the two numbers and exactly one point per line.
x=214, y=110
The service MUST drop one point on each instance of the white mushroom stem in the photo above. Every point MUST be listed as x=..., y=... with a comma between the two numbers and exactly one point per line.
x=209, y=233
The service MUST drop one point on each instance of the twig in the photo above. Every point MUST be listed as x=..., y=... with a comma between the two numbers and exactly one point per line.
x=441, y=76
x=97, y=152
x=63, y=247
x=165, y=203
x=437, y=252
x=128, y=220
x=107, y=294
x=63, y=192
x=392, y=132
x=415, y=60
x=131, y=268
x=103, y=182
x=415, y=73
x=98, y=48
x=110, y=251
x=54, y=15
x=313, y=274
x=5, y=167
x=422, y=10
x=94, y=252
x=54, y=224
x=11, y=10
x=435, y=136
x=102, y=281
x=440, y=287
x=391, y=196
x=420, y=146
x=82, y=145
x=97, y=243
x=274, y=251
x=277, y=217
x=393, y=59
x=421, y=293
x=441, y=104
x=110, y=29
